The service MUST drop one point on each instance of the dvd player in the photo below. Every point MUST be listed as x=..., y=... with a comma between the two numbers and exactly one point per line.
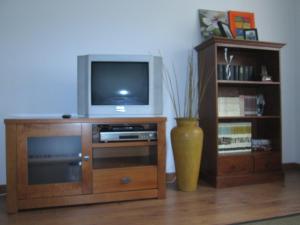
x=106, y=136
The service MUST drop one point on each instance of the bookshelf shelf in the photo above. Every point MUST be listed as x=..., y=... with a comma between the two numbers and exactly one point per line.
x=124, y=144
x=223, y=118
x=247, y=83
x=252, y=154
x=239, y=97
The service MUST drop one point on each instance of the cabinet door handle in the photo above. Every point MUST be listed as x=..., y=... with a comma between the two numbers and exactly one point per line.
x=86, y=157
x=125, y=180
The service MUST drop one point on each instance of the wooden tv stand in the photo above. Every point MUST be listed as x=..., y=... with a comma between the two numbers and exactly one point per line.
x=59, y=162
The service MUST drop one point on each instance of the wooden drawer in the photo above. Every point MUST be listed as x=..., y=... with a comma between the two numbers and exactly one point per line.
x=124, y=179
x=267, y=162
x=232, y=164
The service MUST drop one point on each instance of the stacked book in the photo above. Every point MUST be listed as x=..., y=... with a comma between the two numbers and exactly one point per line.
x=243, y=105
x=234, y=137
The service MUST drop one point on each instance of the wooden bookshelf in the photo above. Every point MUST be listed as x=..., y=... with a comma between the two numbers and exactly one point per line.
x=230, y=169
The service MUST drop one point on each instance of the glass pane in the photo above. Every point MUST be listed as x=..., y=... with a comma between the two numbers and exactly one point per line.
x=54, y=159
x=124, y=157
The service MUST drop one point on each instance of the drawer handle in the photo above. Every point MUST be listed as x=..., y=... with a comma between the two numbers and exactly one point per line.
x=125, y=180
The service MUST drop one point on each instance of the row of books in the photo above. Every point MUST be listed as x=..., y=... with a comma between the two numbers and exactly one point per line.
x=243, y=105
x=237, y=72
x=234, y=137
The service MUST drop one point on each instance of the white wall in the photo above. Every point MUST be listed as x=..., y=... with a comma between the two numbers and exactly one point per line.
x=297, y=75
x=40, y=39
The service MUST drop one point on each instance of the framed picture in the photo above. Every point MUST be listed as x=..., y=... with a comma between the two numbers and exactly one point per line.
x=250, y=34
x=225, y=30
x=209, y=22
x=239, y=21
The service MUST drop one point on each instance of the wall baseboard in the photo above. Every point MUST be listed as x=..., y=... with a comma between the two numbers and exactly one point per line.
x=291, y=166
x=3, y=189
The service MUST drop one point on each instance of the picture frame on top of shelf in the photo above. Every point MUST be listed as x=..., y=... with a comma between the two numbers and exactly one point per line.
x=239, y=21
x=225, y=30
x=209, y=22
x=250, y=34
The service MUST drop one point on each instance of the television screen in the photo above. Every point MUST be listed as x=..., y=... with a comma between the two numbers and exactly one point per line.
x=120, y=83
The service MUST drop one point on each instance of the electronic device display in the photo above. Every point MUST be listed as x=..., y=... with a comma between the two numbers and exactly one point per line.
x=120, y=83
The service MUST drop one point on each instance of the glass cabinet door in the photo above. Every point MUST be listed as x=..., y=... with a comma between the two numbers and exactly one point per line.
x=54, y=159
x=51, y=160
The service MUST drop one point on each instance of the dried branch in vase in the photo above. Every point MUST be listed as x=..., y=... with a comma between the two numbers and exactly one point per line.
x=194, y=90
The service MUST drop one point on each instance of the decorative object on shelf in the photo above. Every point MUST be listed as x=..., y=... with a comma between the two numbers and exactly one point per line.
x=209, y=22
x=260, y=104
x=239, y=21
x=228, y=64
x=250, y=34
x=225, y=30
x=261, y=145
x=187, y=136
x=264, y=74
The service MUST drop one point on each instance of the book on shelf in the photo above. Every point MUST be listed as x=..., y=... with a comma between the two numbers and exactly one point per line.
x=250, y=105
x=234, y=137
x=238, y=72
x=230, y=106
x=243, y=105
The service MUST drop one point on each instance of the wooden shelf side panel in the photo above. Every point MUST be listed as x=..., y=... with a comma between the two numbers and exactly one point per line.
x=208, y=108
x=11, y=168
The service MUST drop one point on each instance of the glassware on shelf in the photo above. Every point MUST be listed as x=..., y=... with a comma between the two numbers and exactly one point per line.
x=264, y=74
x=260, y=103
x=228, y=64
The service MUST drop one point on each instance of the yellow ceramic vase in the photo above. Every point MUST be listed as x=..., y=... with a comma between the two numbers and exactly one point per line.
x=187, y=142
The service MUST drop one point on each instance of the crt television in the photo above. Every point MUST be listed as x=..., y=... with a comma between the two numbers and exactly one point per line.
x=119, y=85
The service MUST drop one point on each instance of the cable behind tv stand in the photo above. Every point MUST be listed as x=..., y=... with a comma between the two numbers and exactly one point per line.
x=58, y=162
